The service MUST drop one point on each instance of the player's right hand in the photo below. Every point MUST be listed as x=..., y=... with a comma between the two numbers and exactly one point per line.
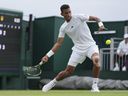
x=45, y=58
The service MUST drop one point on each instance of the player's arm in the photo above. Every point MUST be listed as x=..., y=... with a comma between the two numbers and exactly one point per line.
x=58, y=44
x=55, y=47
x=100, y=23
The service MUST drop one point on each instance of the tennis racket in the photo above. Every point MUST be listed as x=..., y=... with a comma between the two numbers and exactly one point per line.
x=33, y=70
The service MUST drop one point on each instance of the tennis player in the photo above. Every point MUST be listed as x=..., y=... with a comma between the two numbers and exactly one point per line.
x=76, y=28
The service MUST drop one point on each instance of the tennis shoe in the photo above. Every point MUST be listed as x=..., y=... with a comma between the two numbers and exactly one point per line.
x=116, y=68
x=124, y=68
x=48, y=86
x=95, y=88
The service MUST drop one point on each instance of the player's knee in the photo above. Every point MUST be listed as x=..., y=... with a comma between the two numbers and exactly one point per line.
x=96, y=61
x=69, y=70
x=62, y=74
x=66, y=72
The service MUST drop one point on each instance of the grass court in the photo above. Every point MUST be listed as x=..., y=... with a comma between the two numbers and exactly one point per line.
x=63, y=93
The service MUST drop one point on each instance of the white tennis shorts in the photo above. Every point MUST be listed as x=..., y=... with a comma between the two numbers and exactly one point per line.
x=77, y=57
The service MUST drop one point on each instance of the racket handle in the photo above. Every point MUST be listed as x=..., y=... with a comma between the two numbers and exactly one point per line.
x=41, y=62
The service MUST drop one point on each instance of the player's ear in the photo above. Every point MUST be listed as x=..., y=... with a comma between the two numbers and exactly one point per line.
x=61, y=14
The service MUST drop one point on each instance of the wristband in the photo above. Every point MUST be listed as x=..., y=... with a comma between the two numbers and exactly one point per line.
x=100, y=24
x=50, y=53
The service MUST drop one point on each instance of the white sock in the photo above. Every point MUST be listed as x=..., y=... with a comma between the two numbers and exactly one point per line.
x=54, y=80
x=95, y=80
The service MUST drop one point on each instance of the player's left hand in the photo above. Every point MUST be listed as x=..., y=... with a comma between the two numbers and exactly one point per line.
x=102, y=28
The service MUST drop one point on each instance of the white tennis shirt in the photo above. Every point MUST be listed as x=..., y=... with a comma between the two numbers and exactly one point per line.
x=78, y=30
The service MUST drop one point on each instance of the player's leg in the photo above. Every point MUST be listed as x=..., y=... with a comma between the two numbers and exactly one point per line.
x=63, y=74
x=96, y=65
x=67, y=72
x=93, y=54
x=96, y=71
x=75, y=58
x=73, y=62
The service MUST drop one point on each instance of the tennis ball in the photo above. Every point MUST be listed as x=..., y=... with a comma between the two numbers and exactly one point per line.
x=108, y=42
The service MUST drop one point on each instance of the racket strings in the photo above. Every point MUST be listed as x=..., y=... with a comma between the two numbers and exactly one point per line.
x=33, y=71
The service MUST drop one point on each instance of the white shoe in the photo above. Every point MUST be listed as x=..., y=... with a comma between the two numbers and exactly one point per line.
x=95, y=88
x=116, y=67
x=48, y=86
x=124, y=68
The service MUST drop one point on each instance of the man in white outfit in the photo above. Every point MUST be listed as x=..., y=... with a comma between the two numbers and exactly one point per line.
x=122, y=53
x=84, y=46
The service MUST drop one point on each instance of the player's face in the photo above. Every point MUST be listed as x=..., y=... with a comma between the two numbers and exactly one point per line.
x=66, y=14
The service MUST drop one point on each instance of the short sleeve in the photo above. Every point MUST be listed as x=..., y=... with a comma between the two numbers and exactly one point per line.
x=61, y=33
x=83, y=17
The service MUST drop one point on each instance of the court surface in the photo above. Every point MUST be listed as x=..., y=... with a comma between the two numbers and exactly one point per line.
x=63, y=93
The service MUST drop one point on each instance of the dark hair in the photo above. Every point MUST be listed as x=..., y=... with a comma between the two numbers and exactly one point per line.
x=64, y=6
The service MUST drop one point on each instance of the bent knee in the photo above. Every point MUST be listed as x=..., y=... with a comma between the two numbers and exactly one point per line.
x=69, y=70
x=96, y=61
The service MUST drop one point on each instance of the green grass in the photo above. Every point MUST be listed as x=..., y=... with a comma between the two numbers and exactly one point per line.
x=63, y=93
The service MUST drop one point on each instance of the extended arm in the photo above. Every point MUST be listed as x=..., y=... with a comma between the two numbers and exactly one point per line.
x=100, y=24
x=56, y=46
